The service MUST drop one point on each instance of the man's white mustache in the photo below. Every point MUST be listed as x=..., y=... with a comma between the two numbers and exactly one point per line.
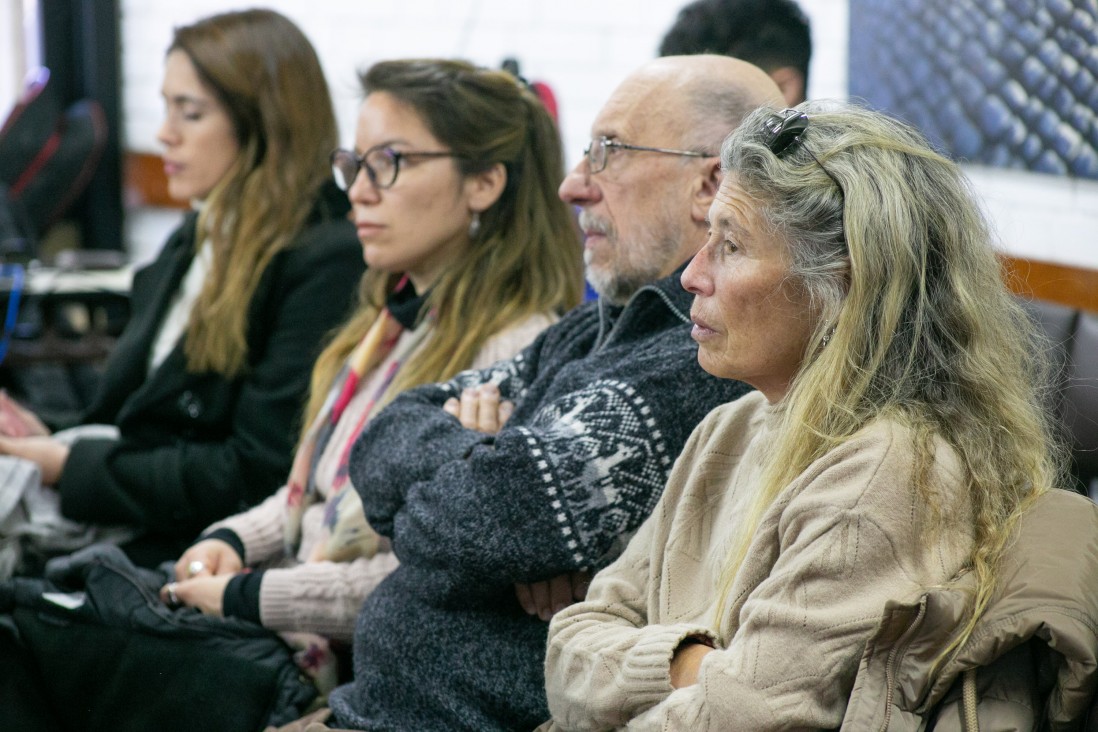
x=590, y=223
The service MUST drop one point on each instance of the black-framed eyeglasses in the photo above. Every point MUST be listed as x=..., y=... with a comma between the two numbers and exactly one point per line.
x=783, y=130
x=598, y=152
x=381, y=163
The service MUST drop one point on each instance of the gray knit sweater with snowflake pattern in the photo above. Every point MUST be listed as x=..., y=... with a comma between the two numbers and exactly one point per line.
x=605, y=400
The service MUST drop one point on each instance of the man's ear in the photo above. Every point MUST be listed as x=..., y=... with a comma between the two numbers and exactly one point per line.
x=705, y=189
x=791, y=84
x=484, y=189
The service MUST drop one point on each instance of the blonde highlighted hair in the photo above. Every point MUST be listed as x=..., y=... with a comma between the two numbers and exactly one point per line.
x=266, y=75
x=916, y=323
x=526, y=256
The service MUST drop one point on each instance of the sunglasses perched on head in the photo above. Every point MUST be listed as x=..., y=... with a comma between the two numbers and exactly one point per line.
x=783, y=131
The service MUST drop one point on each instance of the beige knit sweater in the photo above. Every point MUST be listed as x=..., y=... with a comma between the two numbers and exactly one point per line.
x=324, y=597
x=846, y=536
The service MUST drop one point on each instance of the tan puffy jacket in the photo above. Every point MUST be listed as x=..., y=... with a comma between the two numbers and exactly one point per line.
x=1032, y=661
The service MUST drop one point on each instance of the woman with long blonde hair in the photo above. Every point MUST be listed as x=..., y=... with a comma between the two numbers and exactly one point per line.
x=897, y=436
x=203, y=389
x=471, y=253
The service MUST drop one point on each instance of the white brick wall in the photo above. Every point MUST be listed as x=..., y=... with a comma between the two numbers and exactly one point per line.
x=582, y=49
x=13, y=65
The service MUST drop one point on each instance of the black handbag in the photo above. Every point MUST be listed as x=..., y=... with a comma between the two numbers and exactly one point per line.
x=90, y=646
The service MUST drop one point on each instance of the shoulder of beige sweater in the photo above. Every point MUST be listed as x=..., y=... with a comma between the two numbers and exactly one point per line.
x=719, y=440
x=735, y=422
x=896, y=441
x=883, y=454
x=512, y=339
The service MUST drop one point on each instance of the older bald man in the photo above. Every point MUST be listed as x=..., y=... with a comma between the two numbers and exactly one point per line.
x=603, y=402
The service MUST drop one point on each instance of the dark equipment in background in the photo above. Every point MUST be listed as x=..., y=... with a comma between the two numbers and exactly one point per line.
x=60, y=183
x=47, y=157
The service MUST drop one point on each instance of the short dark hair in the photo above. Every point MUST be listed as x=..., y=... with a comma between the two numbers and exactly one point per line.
x=768, y=33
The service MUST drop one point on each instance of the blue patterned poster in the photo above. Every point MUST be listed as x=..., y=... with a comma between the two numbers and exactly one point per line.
x=1011, y=83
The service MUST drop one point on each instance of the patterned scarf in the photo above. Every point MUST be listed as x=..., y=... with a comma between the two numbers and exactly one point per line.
x=398, y=314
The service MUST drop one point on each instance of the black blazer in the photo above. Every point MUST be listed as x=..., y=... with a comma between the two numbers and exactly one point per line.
x=195, y=448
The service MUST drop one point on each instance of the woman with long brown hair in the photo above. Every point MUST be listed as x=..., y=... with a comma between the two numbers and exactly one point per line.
x=471, y=253
x=205, y=386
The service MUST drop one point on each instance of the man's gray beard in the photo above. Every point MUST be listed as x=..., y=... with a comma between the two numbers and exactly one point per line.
x=618, y=286
x=629, y=271
x=613, y=287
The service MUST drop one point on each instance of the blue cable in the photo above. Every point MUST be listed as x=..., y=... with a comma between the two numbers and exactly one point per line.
x=15, y=272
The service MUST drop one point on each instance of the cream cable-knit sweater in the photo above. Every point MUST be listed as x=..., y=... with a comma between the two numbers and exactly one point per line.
x=324, y=597
x=846, y=536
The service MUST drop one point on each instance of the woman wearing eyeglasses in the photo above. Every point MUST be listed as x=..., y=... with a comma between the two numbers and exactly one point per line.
x=203, y=390
x=896, y=437
x=470, y=253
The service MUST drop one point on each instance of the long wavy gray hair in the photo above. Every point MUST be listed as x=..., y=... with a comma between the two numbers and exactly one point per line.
x=886, y=238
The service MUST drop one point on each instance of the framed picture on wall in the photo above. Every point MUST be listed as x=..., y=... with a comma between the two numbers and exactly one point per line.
x=1011, y=83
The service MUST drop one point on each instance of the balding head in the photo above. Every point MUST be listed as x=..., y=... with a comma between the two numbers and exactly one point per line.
x=644, y=214
x=699, y=98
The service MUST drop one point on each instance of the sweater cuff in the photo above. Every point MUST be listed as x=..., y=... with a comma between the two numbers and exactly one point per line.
x=241, y=597
x=260, y=529
x=647, y=667
x=228, y=536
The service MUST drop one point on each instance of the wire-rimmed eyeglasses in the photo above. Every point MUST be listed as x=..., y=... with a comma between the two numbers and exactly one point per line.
x=598, y=152
x=381, y=163
x=783, y=130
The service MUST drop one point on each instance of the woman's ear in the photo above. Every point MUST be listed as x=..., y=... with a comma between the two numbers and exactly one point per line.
x=706, y=185
x=484, y=188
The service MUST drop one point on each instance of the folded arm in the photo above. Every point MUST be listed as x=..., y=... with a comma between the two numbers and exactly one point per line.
x=555, y=490
x=794, y=625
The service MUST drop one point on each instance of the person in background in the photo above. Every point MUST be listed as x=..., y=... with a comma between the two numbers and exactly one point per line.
x=897, y=437
x=475, y=503
x=772, y=34
x=471, y=254
x=203, y=391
